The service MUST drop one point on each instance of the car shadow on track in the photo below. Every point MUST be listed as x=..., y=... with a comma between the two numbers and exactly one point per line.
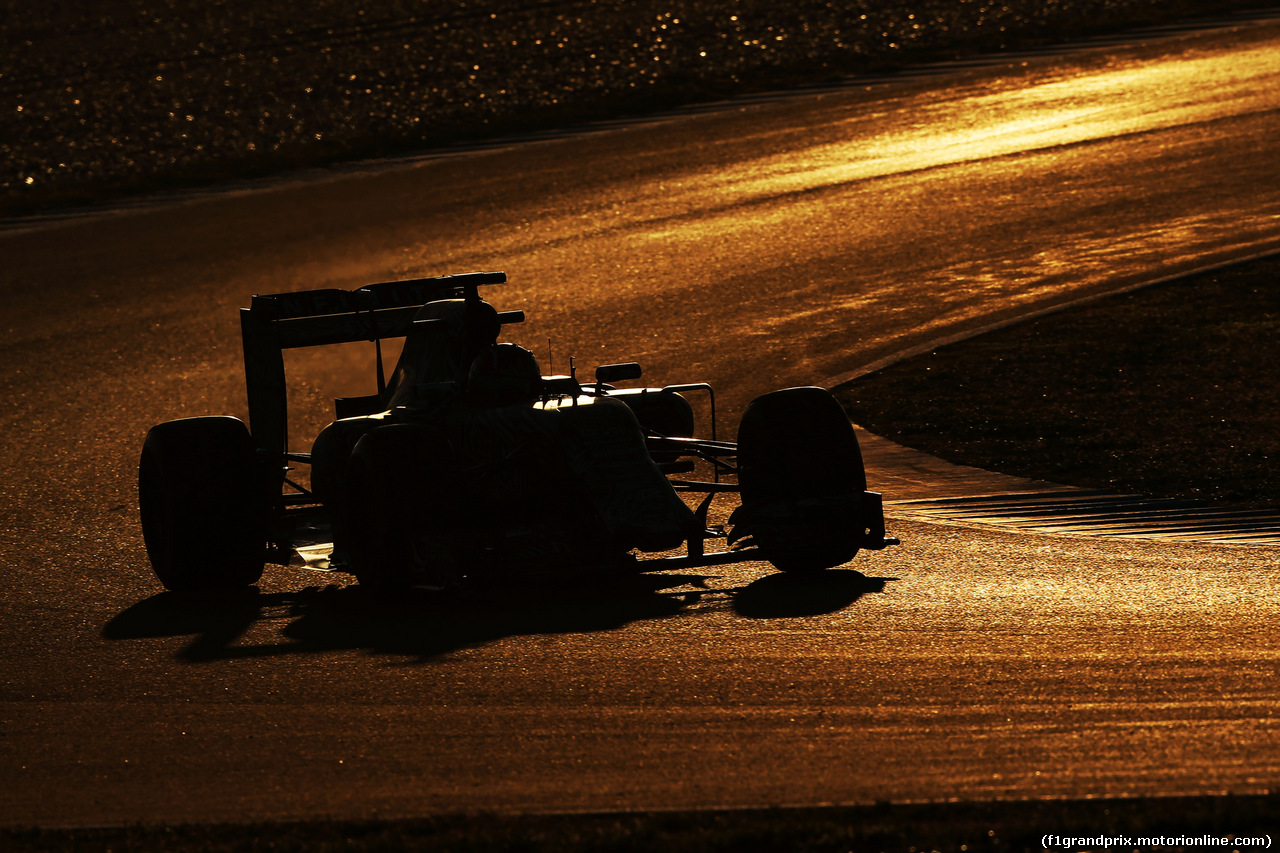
x=427, y=625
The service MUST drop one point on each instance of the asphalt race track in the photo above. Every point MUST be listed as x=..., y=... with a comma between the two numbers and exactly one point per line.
x=755, y=245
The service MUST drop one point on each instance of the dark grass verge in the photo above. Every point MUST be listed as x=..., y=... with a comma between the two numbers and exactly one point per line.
x=1169, y=391
x=1225, y=823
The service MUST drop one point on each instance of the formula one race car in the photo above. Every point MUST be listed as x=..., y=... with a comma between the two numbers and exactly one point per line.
x=469, y=461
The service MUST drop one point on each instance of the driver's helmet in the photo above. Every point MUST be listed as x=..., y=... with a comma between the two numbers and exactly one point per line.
x=504, y=375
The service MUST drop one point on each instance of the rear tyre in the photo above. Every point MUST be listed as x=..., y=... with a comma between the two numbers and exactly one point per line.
x=802, y=479
x=398, y=520
x=202, y=499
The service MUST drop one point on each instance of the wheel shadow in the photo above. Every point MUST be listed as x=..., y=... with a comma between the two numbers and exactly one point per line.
x=790, y=595
x=426, y=625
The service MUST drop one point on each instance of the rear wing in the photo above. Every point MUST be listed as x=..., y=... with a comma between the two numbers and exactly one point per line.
x=274, y=323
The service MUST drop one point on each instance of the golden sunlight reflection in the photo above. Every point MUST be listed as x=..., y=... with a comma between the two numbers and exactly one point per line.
x=749, y=200
x=1090, y=106
x=963, y=289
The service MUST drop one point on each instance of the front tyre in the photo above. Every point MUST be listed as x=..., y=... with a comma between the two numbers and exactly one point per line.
x=202, y=498
x=803, y=484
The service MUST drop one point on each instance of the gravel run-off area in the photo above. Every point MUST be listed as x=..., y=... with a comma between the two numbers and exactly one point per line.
x=124, y=96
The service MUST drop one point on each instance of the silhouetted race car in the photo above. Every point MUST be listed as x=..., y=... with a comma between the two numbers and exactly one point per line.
x=469, y=462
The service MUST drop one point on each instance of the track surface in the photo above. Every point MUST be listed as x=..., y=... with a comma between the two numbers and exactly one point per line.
x=759, y=247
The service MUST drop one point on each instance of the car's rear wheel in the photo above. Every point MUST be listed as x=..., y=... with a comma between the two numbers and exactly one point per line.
x=202, y=499
x=398, y=517
x=801, y=474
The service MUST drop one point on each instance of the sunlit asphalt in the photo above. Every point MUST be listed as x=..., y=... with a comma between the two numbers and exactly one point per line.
x=754, y=247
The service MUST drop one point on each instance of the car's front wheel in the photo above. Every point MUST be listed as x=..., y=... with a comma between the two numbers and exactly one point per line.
x=802, y=480
x=202, y=499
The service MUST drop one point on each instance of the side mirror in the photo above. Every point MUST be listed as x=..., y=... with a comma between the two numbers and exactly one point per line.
x=609, y=373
